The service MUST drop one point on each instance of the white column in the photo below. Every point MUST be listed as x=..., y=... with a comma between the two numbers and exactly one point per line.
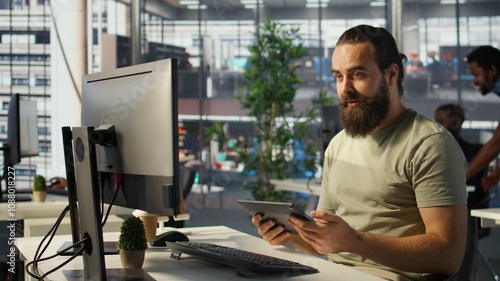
x=135, y=31
x=396, y=13
x=68, y=64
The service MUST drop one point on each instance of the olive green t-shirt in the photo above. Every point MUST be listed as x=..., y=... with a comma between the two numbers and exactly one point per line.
x=378, y=183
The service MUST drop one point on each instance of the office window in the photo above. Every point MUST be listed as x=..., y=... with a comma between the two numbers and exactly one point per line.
x=42, y=82
x=18, y=38
x=44, y=131
x=20, y=81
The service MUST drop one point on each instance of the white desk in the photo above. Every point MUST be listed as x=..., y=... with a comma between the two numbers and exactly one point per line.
x=312, y=186
x=160, y=266
x=489, y=217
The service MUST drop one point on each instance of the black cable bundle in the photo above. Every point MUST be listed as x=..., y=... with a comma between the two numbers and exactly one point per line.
x=41, y=249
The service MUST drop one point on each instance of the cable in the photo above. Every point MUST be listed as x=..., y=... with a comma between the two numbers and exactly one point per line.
x=51, y=232
x=35, y=262
x=37, y=257
x=103, y=177
x=109, y=208
x=65, y=262
x=118, y=183
x=39, y=251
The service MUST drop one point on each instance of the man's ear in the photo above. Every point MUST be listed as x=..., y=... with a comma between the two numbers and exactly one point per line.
x=494, y=71
x=392, y=74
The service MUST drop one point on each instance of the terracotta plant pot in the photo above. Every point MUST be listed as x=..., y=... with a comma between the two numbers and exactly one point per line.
x=132, y=259
x=39, y=196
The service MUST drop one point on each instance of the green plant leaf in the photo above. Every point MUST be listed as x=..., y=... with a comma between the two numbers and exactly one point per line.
x=39, y=183
x=132, y=235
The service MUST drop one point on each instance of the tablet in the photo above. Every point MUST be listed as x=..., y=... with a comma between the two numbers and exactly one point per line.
x=279, y=211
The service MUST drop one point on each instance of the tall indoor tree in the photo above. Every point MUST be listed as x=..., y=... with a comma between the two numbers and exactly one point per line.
x=271, y=83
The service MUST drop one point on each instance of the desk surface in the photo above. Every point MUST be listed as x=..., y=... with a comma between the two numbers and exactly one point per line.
x=312, y=186
x=489, y=217
x=161, y=267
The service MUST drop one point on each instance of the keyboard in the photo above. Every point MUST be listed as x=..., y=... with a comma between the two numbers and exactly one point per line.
x=245, y=262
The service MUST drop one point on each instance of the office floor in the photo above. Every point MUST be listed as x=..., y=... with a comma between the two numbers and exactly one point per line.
x=233, y=215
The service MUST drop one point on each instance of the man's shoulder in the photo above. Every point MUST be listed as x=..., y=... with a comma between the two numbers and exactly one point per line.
x=422, y=122
x=421, y=128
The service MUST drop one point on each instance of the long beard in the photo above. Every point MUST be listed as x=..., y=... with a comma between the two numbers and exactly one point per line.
x=361, y=120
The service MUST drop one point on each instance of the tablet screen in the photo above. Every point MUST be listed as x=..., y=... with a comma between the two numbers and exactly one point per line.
x=279, y=211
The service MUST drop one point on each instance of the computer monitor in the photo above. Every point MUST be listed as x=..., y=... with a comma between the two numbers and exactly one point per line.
x=140, y=102
x=22, y=133
x=129, y=132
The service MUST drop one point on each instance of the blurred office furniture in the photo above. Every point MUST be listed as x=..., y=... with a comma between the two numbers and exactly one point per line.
x=186, y=178
x=489, y=218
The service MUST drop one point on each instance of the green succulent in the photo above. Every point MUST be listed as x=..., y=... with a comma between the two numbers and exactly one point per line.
x=39, y=183
x=132, y=235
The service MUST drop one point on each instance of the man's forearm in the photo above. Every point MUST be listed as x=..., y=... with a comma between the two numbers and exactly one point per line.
x=487, y=153
x=420, y=253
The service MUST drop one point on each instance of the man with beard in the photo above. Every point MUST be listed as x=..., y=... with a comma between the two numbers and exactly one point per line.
x=393, y=200
x=484, y=65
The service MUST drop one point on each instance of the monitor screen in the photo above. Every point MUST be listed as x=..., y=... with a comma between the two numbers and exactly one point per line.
x=140, y=102
x=22, y=129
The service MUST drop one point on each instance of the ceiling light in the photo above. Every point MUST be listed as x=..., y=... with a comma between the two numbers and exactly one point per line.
x=316, y=5
x=253, y=6
x=195, y=7
x=251, y=2
x=377, y=3
x=189, y=2
x=446, y=2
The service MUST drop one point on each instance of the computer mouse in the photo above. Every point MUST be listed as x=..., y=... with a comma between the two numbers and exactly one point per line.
x=170, y=236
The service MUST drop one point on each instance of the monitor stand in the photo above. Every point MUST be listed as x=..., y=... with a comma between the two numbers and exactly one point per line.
x=119, y=274
x=85, y=171
x=109, y=246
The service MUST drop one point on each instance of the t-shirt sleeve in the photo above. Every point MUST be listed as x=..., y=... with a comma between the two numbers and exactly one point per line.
x=438, y=171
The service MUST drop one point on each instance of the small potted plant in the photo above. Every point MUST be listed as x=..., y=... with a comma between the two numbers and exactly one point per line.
x=132, y=243
x=39, y=189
